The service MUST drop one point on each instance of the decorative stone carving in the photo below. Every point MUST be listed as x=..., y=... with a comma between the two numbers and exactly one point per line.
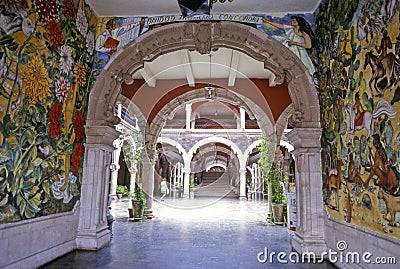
x=127, y=78
x=111, y=119
x=114, y=167
x=202, y=37
x=295, y=118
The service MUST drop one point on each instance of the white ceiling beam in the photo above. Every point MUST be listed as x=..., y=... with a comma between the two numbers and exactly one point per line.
x=187, y=67
x=234, y=66
x=148, y=76
x=271, y=79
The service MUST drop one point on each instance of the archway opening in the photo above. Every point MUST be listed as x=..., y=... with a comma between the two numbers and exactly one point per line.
x=305, y=118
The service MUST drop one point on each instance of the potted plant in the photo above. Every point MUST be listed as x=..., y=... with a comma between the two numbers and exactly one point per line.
x=121, y=191
x=274, y=177
x=249, y=190
x=191, y=189
x=138, y=203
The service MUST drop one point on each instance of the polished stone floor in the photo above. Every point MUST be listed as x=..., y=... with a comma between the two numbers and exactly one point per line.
x=198, y=233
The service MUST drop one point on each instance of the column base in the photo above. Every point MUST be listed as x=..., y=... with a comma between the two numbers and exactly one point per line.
x=149, y=213
x=93, y=240
x=314, y=244
x=242, y=198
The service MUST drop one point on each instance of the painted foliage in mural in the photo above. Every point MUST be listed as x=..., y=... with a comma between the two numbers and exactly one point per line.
x=46, y=72
x=358, y=56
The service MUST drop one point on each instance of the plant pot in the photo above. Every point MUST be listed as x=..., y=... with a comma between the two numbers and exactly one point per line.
x=277, y=210
x=249, y=196
x=130, y=212
x=191, y=194
x=138, y=210
x=119, y=195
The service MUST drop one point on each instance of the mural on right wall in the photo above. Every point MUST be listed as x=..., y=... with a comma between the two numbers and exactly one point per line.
x=358, y=55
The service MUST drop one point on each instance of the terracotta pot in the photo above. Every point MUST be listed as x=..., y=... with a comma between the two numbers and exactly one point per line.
x=277, y=210
x=138, y=210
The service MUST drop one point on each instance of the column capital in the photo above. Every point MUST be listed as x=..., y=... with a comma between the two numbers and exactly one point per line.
x=114, y=167
x=101, y=135
x=305, y=137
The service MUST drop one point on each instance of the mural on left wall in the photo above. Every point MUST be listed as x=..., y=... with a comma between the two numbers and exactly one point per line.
x=46, y=72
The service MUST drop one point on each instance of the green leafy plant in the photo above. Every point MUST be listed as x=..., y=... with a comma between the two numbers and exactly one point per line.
x=274, y=175
x=138, y=195
x=191, y=185
x=121, y=189
x=138, y=203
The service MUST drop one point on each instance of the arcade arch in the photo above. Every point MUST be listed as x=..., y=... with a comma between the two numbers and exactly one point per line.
x=92, y=230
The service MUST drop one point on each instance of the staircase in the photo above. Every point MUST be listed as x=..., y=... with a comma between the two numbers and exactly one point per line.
x=215, y=184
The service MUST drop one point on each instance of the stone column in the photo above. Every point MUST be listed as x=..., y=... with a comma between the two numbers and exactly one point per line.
x=188, y=115
x=115, y=166
x=148, y=186
x=309, y=235
x=242, y=180
x=242, y=118
x=186, y=182
x=93, y=230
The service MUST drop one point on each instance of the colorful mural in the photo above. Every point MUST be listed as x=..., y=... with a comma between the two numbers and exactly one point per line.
x=358, y=72
x=51, y=52
x=295, y=32
x=46, y=68
x=114, y=33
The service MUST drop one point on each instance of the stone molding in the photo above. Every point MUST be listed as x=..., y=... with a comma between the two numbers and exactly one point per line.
x=192, y=36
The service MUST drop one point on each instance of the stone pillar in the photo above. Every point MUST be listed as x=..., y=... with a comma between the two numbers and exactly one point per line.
x=148, y=186
x=242, y=118
x=93, y=230
x=242, y=180
x=188, y=115
x=309, y=235
x=114, y=167
x=186, y=182
x=119, y=110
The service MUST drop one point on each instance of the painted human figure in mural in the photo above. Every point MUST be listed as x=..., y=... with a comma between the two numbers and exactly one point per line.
x=359, y=108
x=386, y=44
x=298, y=37
x=105, y=51
x=108, y=41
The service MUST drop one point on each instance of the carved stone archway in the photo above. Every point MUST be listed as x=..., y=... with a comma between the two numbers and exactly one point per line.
x=203, y=37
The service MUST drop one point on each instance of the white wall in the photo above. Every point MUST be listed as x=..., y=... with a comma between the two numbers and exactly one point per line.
x=361, y=240
x=31, y=243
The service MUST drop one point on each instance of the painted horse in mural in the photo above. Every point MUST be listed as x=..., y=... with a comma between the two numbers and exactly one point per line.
x=383, y=107
x=386, y=174
x=11, y=23
x=383, y=73
x=392, y=206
